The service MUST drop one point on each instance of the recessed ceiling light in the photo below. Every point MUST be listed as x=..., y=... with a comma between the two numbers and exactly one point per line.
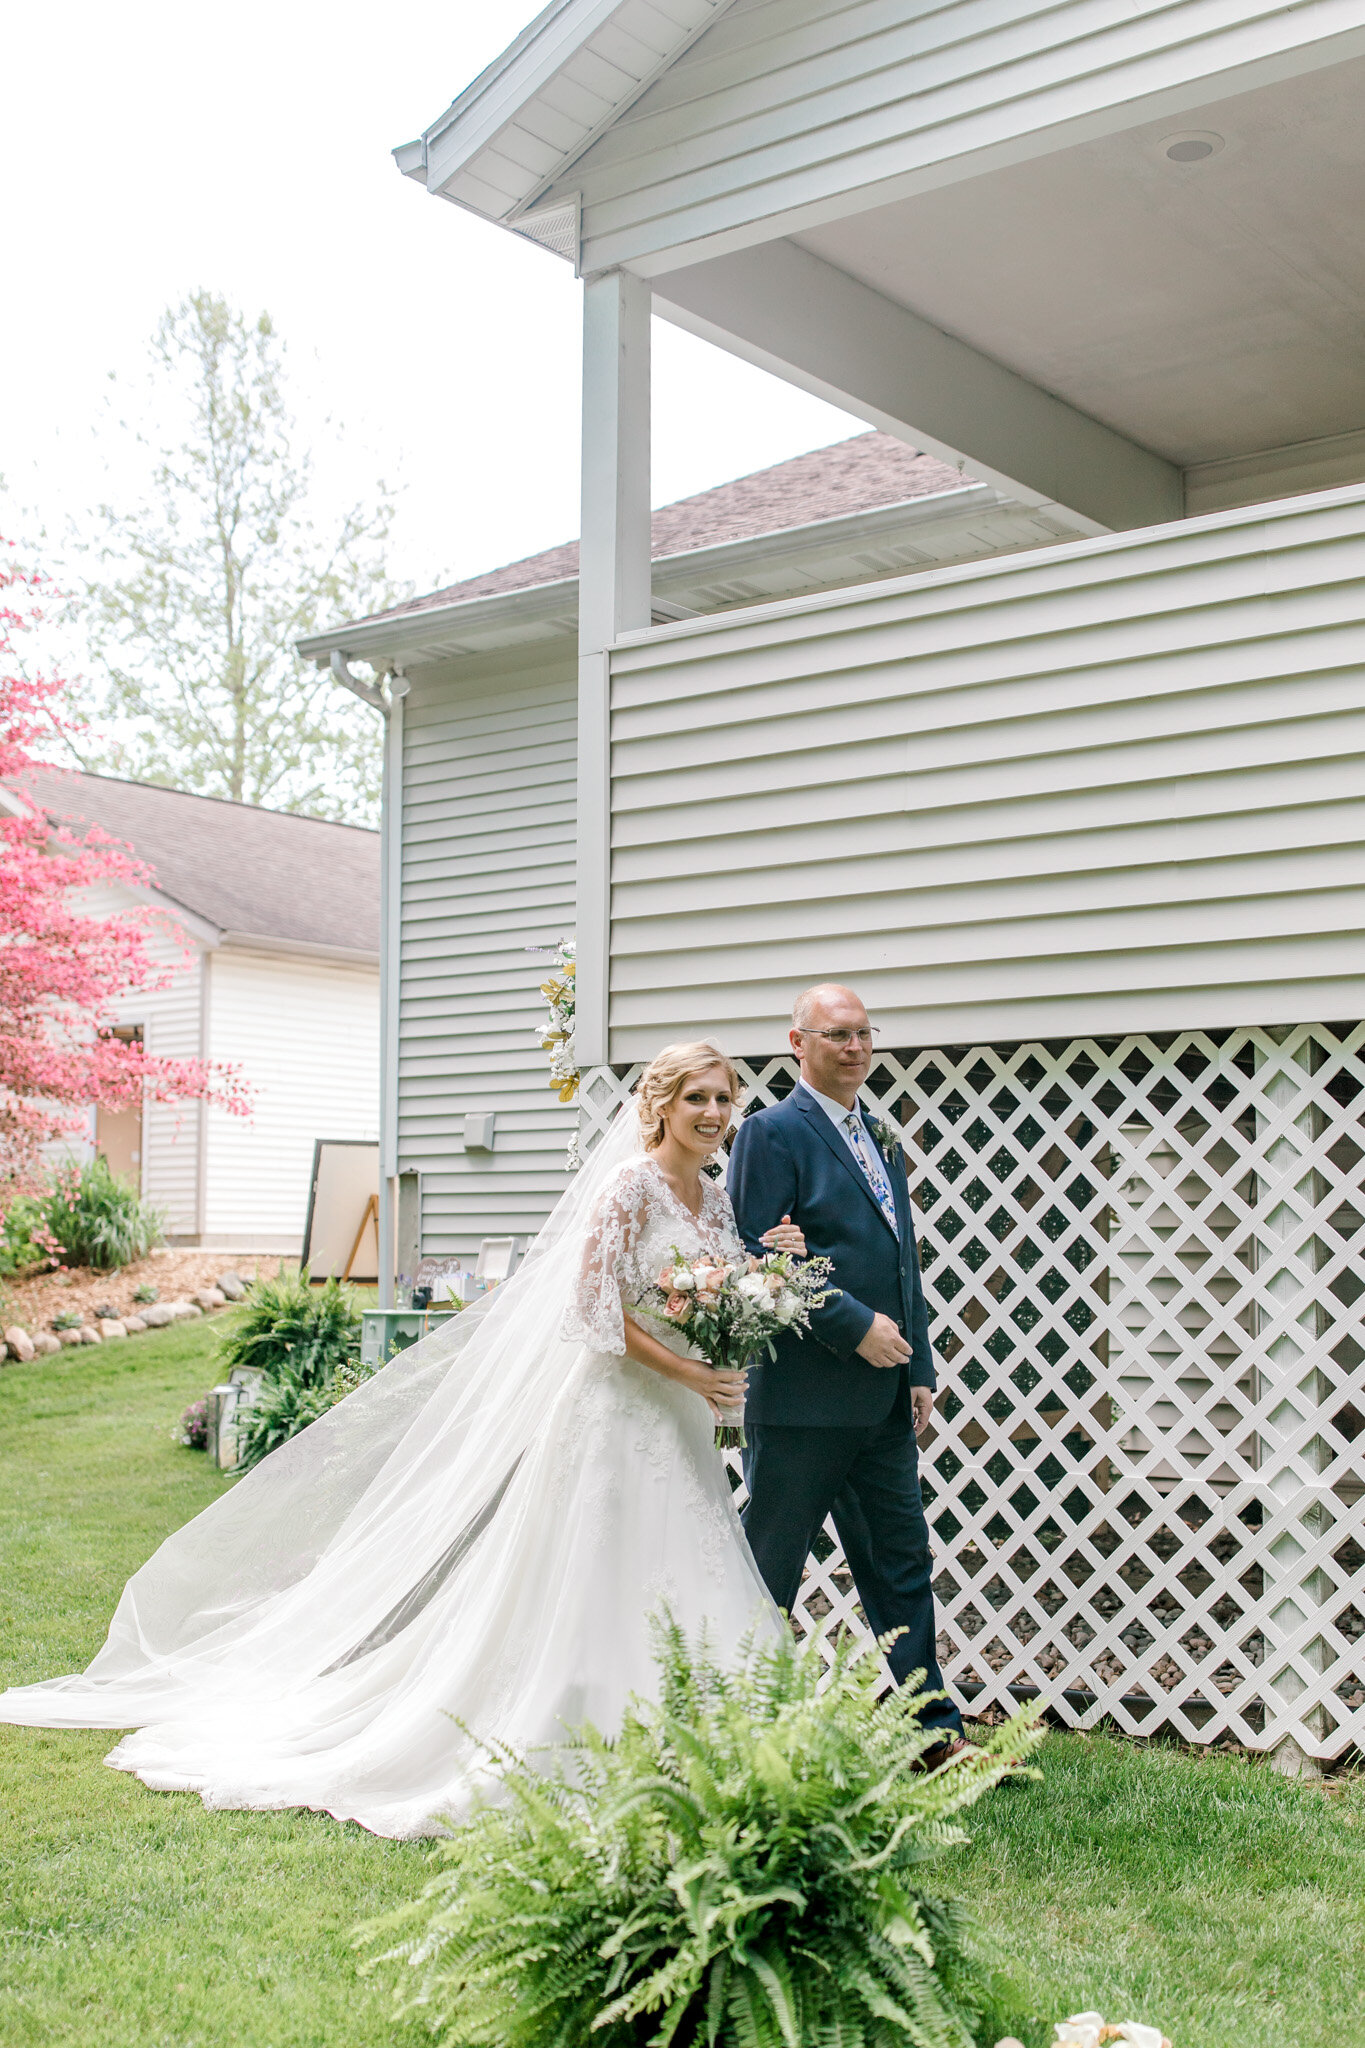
x=1192, y=147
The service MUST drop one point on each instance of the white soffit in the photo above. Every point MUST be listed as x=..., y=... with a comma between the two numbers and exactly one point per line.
x=1201, y=307
x=523, y=123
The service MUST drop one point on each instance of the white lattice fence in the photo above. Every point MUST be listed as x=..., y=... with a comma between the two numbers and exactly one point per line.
x=1143, y=1261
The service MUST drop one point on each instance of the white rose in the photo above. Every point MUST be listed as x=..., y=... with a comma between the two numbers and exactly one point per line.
x=684, y=1280
x=785, y=1307
x=1082, y=2030
x=753, y=1286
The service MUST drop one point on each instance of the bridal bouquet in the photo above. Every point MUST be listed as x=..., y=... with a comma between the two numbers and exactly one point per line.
x=732, y=1312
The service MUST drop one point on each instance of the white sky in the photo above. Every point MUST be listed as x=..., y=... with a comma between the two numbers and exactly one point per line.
x=157, y=147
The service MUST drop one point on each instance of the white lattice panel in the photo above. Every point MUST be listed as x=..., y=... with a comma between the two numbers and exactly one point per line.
x=1143, y=1261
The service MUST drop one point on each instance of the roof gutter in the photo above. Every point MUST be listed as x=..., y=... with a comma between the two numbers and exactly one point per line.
x=399, y=636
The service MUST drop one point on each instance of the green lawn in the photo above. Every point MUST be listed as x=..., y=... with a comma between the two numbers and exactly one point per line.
x=1210, y=1896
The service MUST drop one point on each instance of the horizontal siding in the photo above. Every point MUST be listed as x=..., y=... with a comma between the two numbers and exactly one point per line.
x=785, y=109
x=488, y=869
x=170, y=1020
x=1116, y=787
x=305, y=1034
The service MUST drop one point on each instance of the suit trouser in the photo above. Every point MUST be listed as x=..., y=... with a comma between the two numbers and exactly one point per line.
x=869, y=1479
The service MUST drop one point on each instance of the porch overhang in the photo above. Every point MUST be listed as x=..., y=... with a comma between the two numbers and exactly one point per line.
x=1111, y=265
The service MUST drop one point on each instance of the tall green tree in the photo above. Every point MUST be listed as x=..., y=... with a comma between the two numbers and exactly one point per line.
x=202, y=587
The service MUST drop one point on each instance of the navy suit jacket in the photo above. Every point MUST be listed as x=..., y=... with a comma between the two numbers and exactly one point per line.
x=790, y=1161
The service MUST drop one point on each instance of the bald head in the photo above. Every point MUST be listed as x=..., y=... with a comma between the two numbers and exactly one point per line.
x=833, y=1069
x=812, y=1009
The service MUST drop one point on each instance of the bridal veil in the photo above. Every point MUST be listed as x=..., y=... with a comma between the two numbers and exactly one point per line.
x=335, y=1542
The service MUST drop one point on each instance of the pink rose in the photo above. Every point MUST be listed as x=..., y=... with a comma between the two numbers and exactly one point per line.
x=666, y=1277
x=676, y=1305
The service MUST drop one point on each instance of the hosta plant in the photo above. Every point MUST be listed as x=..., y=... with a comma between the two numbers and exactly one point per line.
x=748, y=1862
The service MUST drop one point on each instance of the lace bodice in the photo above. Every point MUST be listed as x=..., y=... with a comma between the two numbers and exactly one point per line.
x=637, y=1224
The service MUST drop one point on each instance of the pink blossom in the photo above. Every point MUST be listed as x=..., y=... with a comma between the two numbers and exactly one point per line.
x=64, y=975
x=676, y=1305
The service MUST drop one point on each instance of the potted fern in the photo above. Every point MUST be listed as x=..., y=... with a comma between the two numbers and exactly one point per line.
x=747, y=1862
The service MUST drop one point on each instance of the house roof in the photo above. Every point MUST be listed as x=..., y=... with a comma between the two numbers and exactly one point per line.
x=255, y=874
x=858, y=475
x=569, y=74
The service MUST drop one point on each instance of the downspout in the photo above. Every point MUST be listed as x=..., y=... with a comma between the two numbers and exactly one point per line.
x=390, y=708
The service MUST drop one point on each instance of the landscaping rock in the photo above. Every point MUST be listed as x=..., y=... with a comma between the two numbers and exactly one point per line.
x=111, y=1326
x=66, y=1338
x=232, y=1286
x=90, y=1334
x=133, y=1326
x=209, y=1297
x=45, y=1344
x=19, y=1343
x=157, y=1315
x=181, y=1311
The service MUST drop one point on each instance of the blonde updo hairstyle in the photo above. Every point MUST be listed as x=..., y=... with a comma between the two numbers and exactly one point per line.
x=668, y=1073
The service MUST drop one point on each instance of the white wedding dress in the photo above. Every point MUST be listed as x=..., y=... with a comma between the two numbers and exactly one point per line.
x=478, y=1546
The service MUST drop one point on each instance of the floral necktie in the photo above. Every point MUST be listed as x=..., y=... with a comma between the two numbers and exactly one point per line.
x=874, y=1172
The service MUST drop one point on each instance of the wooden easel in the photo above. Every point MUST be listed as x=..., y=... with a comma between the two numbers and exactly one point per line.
x=371, y=1211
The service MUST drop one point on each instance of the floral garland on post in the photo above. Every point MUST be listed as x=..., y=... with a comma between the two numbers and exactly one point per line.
x=556, y=1035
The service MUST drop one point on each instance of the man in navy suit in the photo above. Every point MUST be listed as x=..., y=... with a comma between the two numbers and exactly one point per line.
x=832, y=1420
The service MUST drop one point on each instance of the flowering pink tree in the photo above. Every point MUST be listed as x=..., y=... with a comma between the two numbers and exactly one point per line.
x=64, y=972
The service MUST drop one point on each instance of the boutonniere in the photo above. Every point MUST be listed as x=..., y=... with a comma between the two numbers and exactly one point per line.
x=887, y=1135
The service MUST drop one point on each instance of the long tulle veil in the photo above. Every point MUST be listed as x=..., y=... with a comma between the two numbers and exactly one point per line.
x=342, y=1535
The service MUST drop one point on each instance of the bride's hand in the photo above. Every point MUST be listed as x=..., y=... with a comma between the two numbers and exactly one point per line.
x=785, y=1236
x=723, y=1392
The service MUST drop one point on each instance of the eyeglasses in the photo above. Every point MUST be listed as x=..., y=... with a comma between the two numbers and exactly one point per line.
x=840, y=1038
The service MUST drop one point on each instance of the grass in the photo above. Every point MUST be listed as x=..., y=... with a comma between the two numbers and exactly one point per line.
x=1206, y=1894
x=132, y=1919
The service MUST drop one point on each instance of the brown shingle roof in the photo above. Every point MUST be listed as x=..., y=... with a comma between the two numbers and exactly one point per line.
x=829, y=483
x=266, y=874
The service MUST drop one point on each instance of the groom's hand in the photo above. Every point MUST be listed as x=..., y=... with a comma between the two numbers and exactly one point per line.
x=884, y=1345
x=922, y=1408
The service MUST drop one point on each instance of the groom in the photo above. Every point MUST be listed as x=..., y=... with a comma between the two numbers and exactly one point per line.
x=832, y=1420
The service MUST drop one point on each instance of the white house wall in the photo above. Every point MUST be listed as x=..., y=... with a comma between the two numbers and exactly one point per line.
x=306, y=1034
x=171, y=1022
x=488, y=871
x=785, y=113
x=1111, y=787
x=790, y=111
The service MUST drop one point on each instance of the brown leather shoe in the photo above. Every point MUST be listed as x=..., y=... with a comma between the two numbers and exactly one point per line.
x=945, y=1752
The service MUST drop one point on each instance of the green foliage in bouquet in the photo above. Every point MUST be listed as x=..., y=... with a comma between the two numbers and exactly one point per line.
x=286, y=1325
x=746, y=1863
x=97, y=1219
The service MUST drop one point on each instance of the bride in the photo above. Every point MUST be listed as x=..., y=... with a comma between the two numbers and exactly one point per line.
x=475, y=1539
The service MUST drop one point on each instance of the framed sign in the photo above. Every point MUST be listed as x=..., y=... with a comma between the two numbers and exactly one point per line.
x=341, y=1234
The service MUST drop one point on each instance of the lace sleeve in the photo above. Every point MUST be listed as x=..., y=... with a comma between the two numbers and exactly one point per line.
x=594, y=1315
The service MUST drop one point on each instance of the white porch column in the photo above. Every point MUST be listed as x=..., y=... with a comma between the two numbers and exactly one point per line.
x=613, y=596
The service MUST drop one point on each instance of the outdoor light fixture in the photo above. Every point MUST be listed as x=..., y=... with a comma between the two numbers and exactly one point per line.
x=1191, y=147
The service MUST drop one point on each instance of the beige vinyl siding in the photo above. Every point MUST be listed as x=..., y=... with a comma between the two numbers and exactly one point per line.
x=784, y=111
x=305, y=1033
x=488, y=870
x=1114, y=787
